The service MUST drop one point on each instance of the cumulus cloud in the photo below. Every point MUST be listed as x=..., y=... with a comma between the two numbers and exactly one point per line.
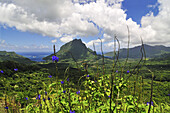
x=65, y=20
x=66, y=39
x=15, y=16
x=36, y=16
x=157, y=27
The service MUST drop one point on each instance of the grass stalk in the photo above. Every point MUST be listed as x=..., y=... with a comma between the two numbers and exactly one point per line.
x=151, y=92
x=102, y=58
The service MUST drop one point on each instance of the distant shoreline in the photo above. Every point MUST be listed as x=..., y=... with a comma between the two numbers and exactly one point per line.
x=34, y=56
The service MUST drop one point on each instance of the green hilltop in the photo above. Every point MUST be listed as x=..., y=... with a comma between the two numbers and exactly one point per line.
x=75, y=49
x=12, y=56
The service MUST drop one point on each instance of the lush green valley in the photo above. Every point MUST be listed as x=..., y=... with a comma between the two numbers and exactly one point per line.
x=83, y=81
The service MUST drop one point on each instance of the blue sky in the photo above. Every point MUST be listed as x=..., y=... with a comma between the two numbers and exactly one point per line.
x=138, y=8
x=24, y=29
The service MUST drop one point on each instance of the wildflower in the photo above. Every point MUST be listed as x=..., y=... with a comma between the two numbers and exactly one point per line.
x=116, y=71
x=149, y=102
x=128, y=71
x=67, y=79
x=95, y=81
x=26, y=98
x=87, y=76
x=48, y=98
x=16, y=69
x=62, y=82
x=72, y=111
x=45, y=93
x=49, y=76
x=54, y=58
x=2, y=71
x=168, y=94
x=44, y=99
x=78, y=92
x=64, y=91
x=40, y=104
x=109, y=96
x=6, y=107
x=39, y=96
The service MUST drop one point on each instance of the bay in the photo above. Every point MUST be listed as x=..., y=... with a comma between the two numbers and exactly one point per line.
x=34, y=56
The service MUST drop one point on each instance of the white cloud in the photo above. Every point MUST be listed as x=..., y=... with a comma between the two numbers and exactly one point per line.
x=61, y=17
x=157, y=28
x=36, y=16
x=96, y=42
x=54, y=41
x=15, y=16
x=66, y=39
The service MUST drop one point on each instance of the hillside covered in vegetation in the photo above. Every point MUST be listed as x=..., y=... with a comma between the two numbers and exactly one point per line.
x=12, y=56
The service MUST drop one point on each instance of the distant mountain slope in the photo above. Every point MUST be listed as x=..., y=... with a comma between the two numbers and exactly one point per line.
x=76, y=48
x=151, y=51
x=162, y=57
x=12, y=56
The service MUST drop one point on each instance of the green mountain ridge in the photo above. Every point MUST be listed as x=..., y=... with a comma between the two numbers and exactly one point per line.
x=151, y=51
x=12, y=56
x=75, y=49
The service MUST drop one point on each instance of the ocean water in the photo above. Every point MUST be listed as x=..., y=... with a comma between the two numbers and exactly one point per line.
x=35, y=56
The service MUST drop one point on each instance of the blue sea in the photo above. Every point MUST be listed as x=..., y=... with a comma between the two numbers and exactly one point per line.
x=35, y=56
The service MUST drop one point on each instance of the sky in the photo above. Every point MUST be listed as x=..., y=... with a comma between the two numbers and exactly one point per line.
x=36, y=25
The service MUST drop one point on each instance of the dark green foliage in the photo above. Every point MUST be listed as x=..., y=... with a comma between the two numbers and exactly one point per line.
x=9, y=66
x=73, y=72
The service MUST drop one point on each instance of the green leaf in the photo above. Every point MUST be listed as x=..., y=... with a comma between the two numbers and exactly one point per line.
x=30, y=105
x=53, y=84
x=44, y=84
